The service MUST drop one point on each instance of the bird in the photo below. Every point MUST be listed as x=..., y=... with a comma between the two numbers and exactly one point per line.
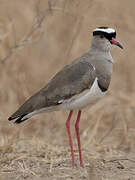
x=79, y=84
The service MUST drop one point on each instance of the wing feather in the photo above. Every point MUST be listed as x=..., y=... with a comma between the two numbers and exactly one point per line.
x=71, y=80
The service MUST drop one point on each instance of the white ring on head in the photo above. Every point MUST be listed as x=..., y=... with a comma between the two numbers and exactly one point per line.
x=108, y=30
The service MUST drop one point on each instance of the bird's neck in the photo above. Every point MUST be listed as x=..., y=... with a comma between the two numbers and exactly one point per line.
x=100, y=53
x=103, y=46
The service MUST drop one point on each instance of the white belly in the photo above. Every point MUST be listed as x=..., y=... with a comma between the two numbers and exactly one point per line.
x=88, y=97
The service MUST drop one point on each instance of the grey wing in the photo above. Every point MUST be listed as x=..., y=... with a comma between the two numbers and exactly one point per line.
x=71, y=80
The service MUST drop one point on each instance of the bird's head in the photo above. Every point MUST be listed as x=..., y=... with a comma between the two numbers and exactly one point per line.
x=104, y=38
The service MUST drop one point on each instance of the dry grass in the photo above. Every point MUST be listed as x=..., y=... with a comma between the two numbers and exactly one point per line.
x=39, y=147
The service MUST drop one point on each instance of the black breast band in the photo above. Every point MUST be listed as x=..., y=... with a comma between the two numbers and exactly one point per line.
x=103, y=89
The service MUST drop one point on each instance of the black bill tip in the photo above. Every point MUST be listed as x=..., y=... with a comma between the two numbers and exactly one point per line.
x=119, y=45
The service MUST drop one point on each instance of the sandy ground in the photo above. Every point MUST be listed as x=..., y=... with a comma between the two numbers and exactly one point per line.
x=37, y=38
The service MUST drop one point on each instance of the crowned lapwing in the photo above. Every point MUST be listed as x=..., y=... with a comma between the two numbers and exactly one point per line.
x=79, y=84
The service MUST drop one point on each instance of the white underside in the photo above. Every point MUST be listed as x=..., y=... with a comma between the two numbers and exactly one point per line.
x=86, y=98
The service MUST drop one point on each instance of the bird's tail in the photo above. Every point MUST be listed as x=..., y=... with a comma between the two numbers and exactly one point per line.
x=19, y=119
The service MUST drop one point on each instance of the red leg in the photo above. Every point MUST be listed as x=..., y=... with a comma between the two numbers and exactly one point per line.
x=70, y=137
x=78, y=136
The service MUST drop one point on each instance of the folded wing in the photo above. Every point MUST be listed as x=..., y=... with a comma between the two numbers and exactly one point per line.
x=71, y=80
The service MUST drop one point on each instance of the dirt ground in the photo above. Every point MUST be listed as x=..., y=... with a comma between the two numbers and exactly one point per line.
x=55, y=163
x=37, y=38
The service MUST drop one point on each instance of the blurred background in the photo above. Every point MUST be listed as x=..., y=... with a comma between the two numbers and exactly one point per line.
x=37, y=38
